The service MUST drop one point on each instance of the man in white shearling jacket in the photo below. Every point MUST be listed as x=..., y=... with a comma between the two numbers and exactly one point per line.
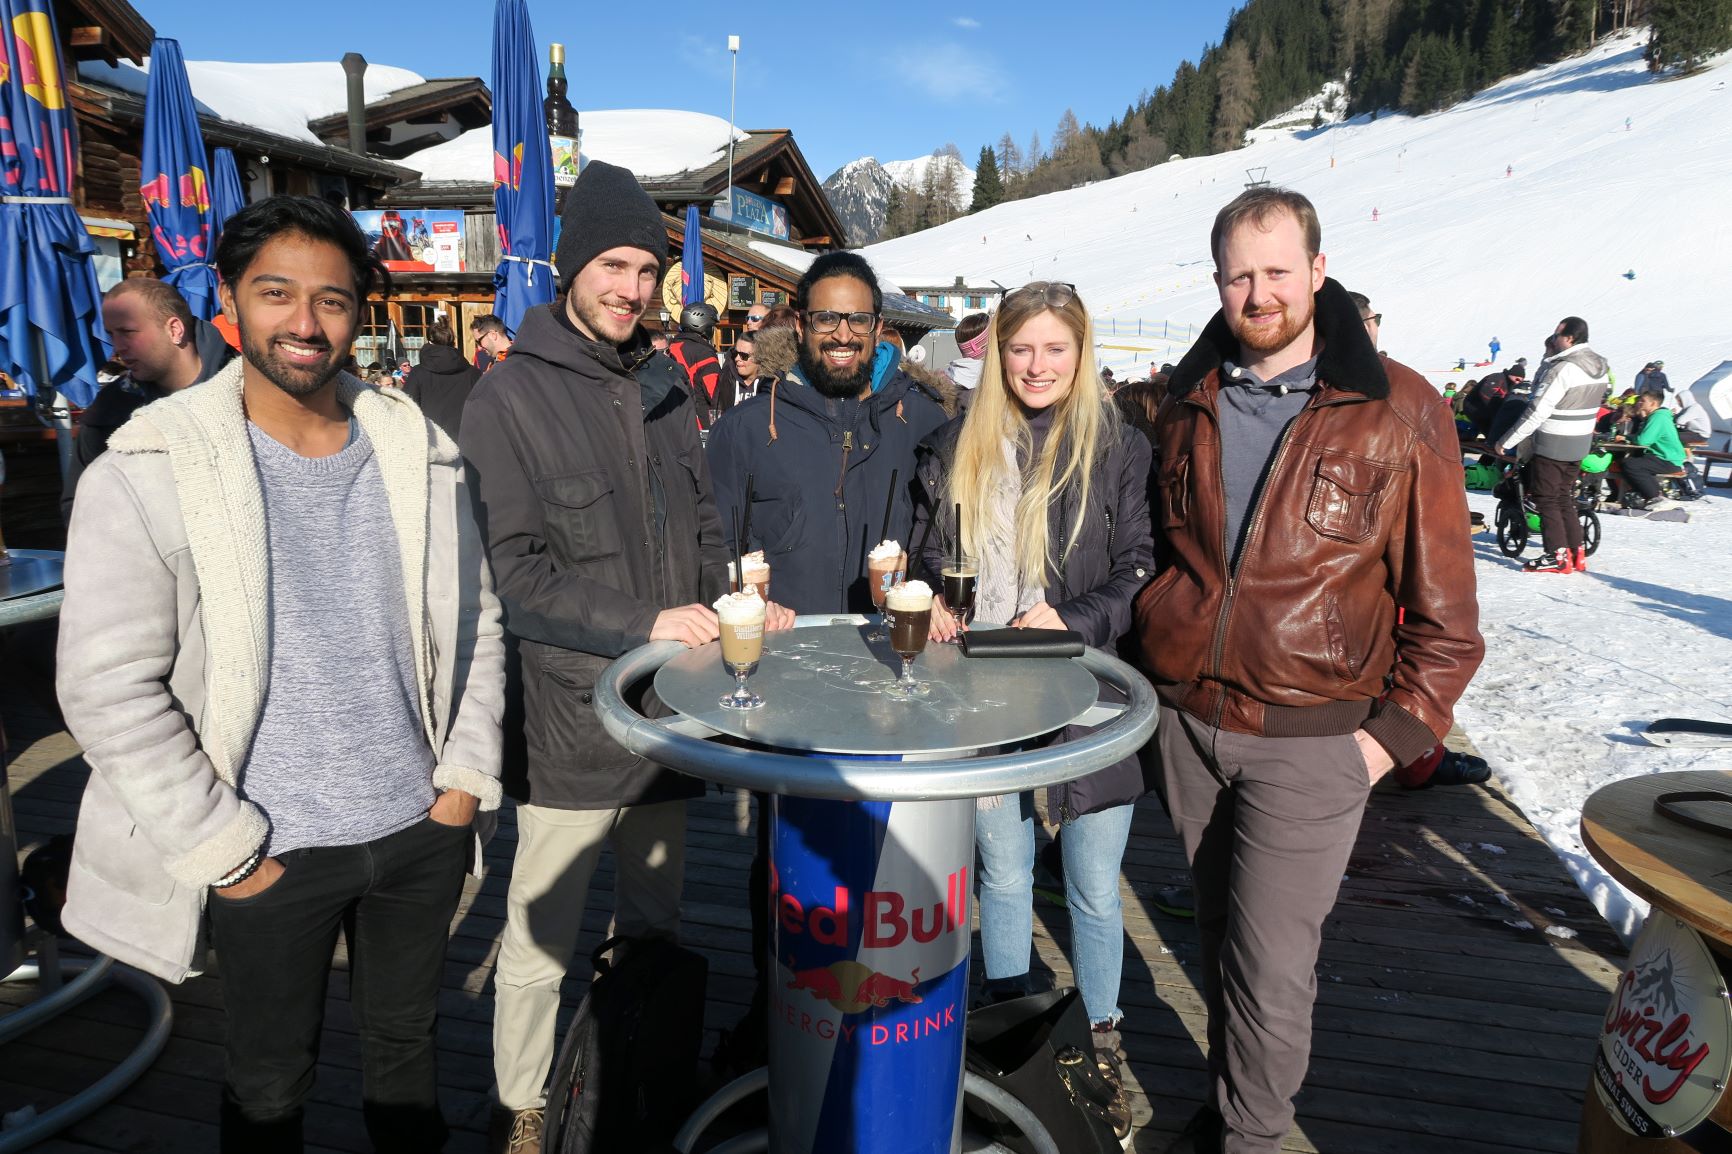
x=281, y=654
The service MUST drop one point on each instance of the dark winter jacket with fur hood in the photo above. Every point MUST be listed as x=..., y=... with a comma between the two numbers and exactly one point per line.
x=821, y=472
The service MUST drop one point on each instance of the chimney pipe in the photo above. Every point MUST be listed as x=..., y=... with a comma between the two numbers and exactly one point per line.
x=355, y=65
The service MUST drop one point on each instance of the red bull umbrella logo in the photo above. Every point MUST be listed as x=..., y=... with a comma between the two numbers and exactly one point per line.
x=38, y=63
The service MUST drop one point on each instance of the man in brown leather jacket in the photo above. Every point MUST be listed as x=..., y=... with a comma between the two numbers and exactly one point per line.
x=1304, y=489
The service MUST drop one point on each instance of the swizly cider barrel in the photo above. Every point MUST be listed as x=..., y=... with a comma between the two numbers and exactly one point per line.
x=871, y=904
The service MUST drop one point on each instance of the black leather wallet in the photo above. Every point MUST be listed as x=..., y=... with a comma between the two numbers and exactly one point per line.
x=1022, y=643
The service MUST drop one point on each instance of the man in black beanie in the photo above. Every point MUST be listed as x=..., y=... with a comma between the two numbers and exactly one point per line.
x=597, y=511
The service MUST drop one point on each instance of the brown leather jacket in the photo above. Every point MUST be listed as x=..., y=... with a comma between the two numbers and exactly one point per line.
x=1363, y=511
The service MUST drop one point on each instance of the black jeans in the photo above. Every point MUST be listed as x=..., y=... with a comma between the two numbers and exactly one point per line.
x=1552, y=484
x=394, y=898
x=1643, y=471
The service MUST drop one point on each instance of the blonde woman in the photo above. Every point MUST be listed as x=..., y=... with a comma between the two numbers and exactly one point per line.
x=1054, y=495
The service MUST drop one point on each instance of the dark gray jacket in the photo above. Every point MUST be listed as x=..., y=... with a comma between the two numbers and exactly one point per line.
x=596, y=508
x=1093, y=586
x=440, y=384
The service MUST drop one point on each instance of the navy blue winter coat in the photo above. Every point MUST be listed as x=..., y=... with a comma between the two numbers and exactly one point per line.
x=821, y=473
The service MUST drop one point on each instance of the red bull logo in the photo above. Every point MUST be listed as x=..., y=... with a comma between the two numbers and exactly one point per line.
x=886, y=920
x=509, y=173
x=38, y=62
x=850, y=986
x=155, y=192
x=194, y=192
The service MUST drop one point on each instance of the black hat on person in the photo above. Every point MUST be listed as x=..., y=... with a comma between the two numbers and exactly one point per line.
x=1519, y=370
x=606, y=208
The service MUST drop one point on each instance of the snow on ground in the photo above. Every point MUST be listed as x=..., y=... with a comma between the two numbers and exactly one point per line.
x=1576, y=666
x=1611, y=170
x=279, y=98
x=1460, y=253
x=648, y=141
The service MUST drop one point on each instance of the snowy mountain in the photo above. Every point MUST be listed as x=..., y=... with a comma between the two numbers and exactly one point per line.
x=859, y=191
x=914, y=174
x=1590, y=187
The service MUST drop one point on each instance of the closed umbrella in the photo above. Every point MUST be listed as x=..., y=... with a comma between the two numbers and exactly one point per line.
x=51, y=333
x=522, y=170
x=692, y=261
x=226, y=197
x=173, y=181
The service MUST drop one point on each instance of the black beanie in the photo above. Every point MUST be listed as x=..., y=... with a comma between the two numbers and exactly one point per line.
x=605, y=209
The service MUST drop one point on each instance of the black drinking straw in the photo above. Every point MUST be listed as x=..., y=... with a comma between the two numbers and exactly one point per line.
x=889, y=504
x=958, y=547
x=739, y=568
x=745, y=525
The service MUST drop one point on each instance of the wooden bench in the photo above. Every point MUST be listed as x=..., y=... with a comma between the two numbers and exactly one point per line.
x=1712, y=459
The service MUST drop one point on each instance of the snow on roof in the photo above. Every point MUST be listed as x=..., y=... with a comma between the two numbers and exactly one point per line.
x=647, y=142
x=276, y=98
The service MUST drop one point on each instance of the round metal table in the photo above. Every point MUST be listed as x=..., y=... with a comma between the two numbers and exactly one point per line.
x=30, y=585
x=872, y=844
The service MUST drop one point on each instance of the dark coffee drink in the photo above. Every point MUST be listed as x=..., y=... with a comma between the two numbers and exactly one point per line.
x=908, y=630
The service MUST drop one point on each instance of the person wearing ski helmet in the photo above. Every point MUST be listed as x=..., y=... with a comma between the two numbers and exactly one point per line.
x=692, y=349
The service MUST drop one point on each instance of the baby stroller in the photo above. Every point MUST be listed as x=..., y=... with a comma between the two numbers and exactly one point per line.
x=1517, y=521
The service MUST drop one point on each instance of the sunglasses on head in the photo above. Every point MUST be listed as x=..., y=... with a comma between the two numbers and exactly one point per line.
x=1056, y=293
x=826, y=321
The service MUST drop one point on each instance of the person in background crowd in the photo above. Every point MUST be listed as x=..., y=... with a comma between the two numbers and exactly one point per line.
x=659, y=340
x=603, y=534
x=755, y=317
x=744, y=371
x=1566, y=402
x=1373, y=320
x=1054, y=494
x=161, y=348
x=888, y=334
x=1653, y=375
x=491, y=339
x=440, y=384
x=1483, y=404
x=1657, y=433
x=822, y=442
x=1307, y=486
x=305, y=753
x=964, y=371
x=781, y=317
x=692, y=350
x=1695, y=426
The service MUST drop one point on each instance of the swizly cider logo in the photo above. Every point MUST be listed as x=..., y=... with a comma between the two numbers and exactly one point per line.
x=38, y=62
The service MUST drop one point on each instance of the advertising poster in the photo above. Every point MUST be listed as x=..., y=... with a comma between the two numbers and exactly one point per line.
x=415, y=239
x=757, y=213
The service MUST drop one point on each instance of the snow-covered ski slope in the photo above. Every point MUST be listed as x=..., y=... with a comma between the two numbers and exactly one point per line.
x=1459, y=252
x=1575, y=665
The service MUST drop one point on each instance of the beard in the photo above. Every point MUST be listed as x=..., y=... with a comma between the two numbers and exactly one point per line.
x=295, y=380
x=598, y=321
x=1268, y=338
x=827, y=380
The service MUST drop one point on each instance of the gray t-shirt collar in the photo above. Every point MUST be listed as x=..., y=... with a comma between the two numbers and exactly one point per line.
x=1301, y=378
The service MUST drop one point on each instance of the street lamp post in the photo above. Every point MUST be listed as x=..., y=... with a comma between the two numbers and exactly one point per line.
x=733, y=84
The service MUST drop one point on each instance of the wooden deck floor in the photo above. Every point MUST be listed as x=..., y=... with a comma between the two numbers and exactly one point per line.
x=1460, y=987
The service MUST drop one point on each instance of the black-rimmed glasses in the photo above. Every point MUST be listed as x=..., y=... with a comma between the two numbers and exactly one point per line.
x=826, y=321
x=1374, y=319
x=1057, y=293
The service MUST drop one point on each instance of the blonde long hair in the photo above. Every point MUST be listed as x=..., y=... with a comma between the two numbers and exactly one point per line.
x=1082, y=420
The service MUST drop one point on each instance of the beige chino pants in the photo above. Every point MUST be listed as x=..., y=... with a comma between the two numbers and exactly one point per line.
x=557, y=851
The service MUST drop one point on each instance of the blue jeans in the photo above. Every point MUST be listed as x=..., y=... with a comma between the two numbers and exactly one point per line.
x=1094, y=847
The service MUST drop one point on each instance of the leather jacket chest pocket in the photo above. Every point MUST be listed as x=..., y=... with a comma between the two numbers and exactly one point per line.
x=580, y=522
x=1346, y=494
x=1173, y=483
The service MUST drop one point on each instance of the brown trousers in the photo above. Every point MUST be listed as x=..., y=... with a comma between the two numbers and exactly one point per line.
x=1268, y=824
x=1552, y=485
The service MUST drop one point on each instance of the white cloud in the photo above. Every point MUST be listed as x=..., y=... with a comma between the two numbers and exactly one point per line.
x=968, y=22
x=950, y=72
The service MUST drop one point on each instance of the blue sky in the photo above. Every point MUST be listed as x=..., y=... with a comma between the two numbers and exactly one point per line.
x=892, y=80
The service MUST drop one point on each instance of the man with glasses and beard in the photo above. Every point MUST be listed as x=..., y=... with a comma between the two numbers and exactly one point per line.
x=281, y=653
x=821, y=443
x=1304, y=487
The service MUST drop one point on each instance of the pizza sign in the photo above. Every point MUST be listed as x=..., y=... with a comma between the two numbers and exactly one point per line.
x=1666, y=1044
